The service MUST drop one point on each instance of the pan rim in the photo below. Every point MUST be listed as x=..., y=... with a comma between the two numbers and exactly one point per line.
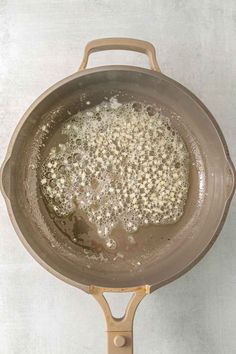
x=76, y=75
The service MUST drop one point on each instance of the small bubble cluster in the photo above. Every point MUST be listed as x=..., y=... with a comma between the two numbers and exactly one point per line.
x=122, y=164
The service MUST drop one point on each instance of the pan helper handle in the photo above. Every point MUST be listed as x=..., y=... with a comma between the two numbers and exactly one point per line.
x=120, y=330
x=135, y=45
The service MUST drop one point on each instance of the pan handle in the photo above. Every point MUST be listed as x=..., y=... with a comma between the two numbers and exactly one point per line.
x=5, y=177
x=135, y=45
x=120, y=330
x=230, y=179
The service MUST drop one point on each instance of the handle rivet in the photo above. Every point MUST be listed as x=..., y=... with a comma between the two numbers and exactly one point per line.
x=119, y=341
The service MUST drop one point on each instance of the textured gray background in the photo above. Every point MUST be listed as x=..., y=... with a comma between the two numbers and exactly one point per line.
x=40, y=43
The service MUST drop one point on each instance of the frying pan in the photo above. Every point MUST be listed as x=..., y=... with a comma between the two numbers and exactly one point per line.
x=160, y=253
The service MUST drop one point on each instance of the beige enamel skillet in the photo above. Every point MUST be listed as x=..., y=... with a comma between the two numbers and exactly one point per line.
x=164, y=252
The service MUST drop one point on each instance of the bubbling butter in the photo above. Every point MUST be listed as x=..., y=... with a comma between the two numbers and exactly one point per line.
x=122, y=164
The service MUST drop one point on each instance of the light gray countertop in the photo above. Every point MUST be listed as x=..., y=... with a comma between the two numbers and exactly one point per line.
x=41, y=42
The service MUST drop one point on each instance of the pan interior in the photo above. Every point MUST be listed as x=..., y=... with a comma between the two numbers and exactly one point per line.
x=87, y=260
